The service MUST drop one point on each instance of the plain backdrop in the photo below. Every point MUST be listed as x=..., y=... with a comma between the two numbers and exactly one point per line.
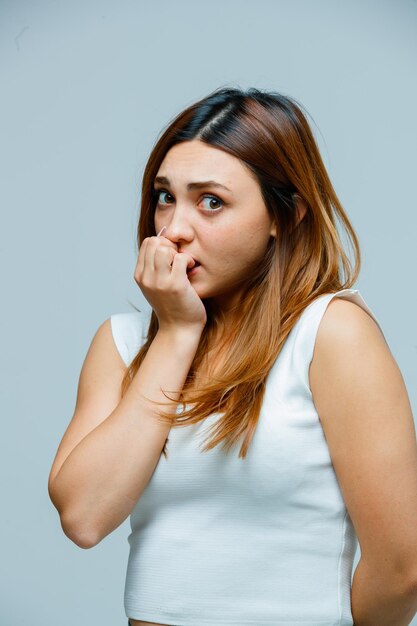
x=87, y=87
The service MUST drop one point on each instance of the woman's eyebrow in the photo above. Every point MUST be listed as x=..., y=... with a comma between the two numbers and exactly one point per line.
x=196, y=185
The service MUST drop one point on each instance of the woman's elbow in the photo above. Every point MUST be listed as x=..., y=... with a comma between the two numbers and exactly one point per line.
x=82, y=537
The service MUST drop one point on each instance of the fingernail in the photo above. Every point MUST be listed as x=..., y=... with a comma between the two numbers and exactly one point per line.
x=161, y=231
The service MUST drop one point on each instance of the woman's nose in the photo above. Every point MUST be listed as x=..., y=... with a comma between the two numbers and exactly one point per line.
x=178, y=227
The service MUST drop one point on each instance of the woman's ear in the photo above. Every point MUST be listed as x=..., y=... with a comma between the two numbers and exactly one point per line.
x=301, y=207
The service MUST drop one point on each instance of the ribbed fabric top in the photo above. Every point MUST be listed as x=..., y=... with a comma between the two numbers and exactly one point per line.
x=266, y=540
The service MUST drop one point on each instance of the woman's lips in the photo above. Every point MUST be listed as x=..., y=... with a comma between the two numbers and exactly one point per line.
x=191, y=270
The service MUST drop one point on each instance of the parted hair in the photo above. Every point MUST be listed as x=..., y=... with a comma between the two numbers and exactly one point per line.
x=270, y=134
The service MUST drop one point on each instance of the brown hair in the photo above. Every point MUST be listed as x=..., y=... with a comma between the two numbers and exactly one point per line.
x=270, y=134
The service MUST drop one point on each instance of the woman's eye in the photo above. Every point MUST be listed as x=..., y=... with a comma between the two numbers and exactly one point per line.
x=211, y=198
x=158, y=192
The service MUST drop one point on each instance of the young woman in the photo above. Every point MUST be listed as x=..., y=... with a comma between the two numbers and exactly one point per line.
x=255, y=334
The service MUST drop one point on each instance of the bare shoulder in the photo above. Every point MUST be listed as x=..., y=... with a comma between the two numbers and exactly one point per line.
x=103, y=346
x=349, y=346
x=350, y=322
x=348, y=338
x=364, y=408
x=102, y=362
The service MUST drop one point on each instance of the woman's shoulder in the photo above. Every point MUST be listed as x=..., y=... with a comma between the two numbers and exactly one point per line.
x=346, y=327
x=343, y=314
x=339, y=311
x=129, y=330
x=325, y=324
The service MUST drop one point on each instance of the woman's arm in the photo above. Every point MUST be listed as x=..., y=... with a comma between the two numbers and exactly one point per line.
x=365, y=412
x=103, y=476
x=379, y=602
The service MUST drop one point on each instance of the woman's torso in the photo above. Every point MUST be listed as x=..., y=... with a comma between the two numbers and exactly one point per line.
x=205, y=520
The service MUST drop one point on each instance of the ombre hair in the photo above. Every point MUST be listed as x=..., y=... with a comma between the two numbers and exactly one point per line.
x=270, y=134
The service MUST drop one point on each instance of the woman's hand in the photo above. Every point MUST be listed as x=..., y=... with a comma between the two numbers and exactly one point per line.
x=161, y=274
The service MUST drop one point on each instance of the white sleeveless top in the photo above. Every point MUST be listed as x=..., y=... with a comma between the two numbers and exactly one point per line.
x=266, y=540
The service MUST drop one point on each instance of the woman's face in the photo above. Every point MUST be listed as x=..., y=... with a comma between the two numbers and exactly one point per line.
x=226, y=230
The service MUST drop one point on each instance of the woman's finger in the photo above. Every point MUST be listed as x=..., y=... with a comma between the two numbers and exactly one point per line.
x=163, y=258
x=140, y=265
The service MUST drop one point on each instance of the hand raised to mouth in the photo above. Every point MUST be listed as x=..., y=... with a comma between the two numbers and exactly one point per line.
x=162, y=275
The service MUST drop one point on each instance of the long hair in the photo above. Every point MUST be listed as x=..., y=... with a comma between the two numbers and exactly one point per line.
x=270, y=134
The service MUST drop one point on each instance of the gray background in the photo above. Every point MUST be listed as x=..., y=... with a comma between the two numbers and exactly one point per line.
x=86, y=89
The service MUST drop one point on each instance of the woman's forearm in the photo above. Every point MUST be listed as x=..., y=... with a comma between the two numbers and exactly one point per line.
x=381, y=600
x=104, y=476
